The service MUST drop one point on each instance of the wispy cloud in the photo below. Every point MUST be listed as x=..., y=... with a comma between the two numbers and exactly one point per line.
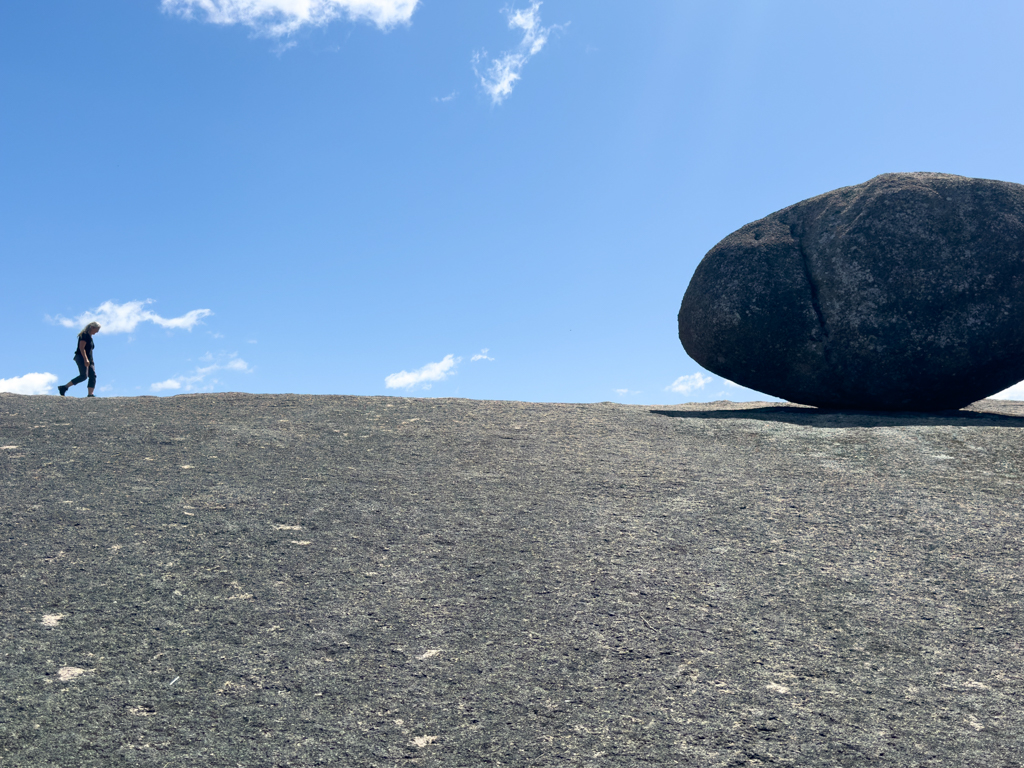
x=503, y=72
x=1016, y=392
x=122, y=318
x=481, y=355
x=160, y=386
x=197, y=380
x=276, y=18
x=684, y=385
x=423, y=376
x=447, y=98
x=29, y=384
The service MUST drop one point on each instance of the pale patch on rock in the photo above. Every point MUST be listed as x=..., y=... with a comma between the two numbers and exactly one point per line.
x=301, y=543
x=421, y=741
x=777, y=688
x=287, y=527
x=429, y=654
x=52, y=619
x=69, y=673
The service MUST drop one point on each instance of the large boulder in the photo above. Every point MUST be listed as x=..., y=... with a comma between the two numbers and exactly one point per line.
x=902, y=293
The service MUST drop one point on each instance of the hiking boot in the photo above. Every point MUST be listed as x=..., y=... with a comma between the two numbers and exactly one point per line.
x=90, y=395
x=63, y=390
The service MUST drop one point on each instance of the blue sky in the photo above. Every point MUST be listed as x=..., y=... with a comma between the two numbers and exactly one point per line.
x=429, y=198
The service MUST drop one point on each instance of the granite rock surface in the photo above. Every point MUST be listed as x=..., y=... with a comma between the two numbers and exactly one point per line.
x=279, y=580
x=902, y=293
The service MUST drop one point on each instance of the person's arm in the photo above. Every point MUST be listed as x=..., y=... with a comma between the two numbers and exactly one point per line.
x=81, y=351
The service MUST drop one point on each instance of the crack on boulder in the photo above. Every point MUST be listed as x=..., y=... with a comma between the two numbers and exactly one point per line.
x=815, y=303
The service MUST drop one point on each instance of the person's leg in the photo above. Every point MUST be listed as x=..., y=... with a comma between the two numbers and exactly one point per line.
x=92, y=379
x=83, y=373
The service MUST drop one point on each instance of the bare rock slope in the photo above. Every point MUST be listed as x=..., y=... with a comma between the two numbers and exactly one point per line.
x=224, y=580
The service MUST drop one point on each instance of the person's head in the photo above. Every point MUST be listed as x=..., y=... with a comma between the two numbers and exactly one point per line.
x=91, y=328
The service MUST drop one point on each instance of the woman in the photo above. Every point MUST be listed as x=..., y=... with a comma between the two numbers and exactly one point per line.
x=86, y=361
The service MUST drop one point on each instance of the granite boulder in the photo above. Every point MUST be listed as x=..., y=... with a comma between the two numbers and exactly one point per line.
x=905, y=292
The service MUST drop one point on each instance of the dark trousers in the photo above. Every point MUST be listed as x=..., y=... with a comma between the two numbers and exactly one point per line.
x=84, y=374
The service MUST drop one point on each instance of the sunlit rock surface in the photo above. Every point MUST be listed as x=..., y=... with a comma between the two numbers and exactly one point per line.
x=261, y=580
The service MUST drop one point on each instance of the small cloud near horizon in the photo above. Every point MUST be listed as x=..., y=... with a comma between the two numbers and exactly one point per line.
x=481, y=355
x=159, y=386
x=29, y=384
x=684, y=385
x=195, y=380
x=430, y=372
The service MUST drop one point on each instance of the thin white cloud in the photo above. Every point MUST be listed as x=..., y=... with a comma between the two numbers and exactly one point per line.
x=29, y=384
x=162, y=385
x=276, y=18
x=449, y=97
x=482, y=355
x=428, y=373
x=1016, y=392
x=503, y=72
x=196, y=381
x=122, y=318
x=684, y=385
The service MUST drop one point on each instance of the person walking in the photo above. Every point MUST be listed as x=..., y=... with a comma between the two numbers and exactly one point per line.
x=86, y=361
